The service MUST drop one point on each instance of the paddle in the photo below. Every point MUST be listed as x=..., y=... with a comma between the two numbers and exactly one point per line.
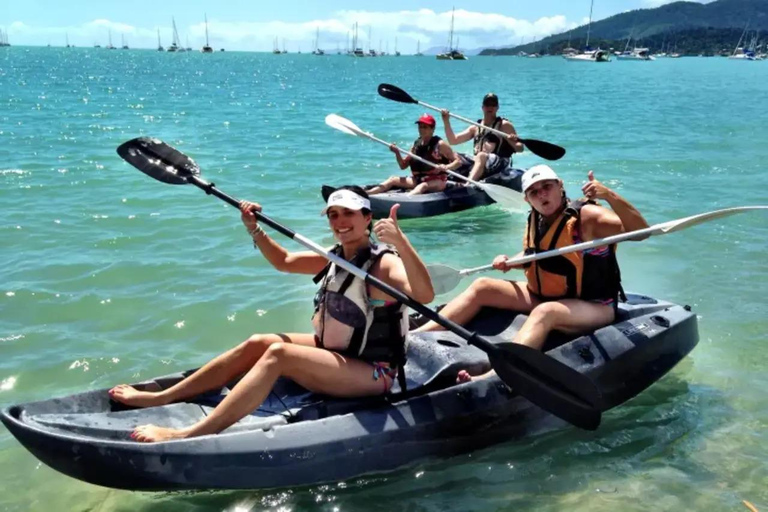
x=544, y=149
x=445, y=278
x=546, y=382
x=506, y=197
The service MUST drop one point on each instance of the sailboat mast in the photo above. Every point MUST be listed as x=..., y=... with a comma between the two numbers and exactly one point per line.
x=589, y=27
x=206, y=29
x=450, y=37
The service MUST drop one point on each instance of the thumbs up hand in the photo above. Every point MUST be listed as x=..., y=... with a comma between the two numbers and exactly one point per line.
x=387, y=230
x=594, y=189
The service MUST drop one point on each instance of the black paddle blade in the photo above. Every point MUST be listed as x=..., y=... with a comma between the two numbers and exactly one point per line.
x=159, y=160
x=394, y=93
x=544, y=149
x=548, y=383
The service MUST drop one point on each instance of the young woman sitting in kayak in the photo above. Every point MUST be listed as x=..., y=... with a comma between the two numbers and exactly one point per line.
x=424, y=178
x=359, y=335
x=573, y=293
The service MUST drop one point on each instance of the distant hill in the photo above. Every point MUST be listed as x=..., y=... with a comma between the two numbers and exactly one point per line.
x=675, y=21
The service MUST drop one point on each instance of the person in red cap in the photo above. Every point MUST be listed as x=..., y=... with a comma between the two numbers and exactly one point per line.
x=491, y=155
x=425, y=178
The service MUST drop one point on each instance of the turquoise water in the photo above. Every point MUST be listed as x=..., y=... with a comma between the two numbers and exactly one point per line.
x=108, y=276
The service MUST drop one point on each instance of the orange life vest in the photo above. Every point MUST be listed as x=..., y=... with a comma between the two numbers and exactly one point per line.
x=587, y=275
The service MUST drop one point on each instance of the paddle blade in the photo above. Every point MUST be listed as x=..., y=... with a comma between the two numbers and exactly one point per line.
x=342, y=124
x=155, y=158
x=507, y=198
x=544, y=149
x=394, y=93
x=548, y=383
x=444, y=278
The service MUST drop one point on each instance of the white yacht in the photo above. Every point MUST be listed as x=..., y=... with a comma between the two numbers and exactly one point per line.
x=636, y=54
x=589, y=55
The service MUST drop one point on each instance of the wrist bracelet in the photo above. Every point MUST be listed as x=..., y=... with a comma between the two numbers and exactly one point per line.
x=257, y=230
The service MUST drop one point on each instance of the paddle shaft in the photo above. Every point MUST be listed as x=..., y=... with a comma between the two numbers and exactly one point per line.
x=657, y=229
x=422, y=160
x=467, y=120
x=471, y=337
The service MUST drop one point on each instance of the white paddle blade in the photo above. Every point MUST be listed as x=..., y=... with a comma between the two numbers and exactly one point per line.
x=677, y=225
x=342, y=124
x=507, y=198
x=444, y=278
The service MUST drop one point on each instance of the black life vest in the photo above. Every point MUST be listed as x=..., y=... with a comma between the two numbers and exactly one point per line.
x=586, y=275
x=503, y=148
x=430, y=152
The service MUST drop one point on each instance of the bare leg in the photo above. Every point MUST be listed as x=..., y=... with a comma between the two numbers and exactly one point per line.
x=316, y=369
x=213, y=375
x=571, y=316
x=485, y=291
x=478, y=169
x=427, y=187
x=392, y=182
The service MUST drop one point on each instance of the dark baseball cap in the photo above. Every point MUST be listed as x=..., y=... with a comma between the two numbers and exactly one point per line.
x=491, y=99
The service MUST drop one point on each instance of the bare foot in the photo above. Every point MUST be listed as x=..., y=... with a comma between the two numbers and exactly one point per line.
x=153, y=434
x=129, y=395
x=464, y=376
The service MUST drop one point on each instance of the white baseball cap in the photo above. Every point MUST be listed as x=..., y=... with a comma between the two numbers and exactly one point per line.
x=536, y=174
x=347, y=199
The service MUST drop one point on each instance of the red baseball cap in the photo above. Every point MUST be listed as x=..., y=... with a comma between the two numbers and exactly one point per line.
x=427, y=119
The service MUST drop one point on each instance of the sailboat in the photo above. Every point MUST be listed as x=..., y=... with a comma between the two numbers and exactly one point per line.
x=275, y=49
x=4, y=38
x=317, y=50
x=356, y=50
x=124, y=45
x=452, y=53
x=109, y=46
x=207, y=48
x=589, y=55
x=159, y=45
x=397, y=53
x=175, y=43
x=418, y=49
x=66, y=37
x=188, y=48
x=739, y=53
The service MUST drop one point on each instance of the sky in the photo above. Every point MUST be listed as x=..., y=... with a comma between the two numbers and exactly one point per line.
x=253, y=25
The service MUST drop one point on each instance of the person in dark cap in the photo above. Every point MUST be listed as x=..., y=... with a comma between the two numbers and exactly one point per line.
x=490, y=154
x=424, y=178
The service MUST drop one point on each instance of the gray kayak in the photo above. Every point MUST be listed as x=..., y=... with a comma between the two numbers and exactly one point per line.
x=455, y=198
x=298, y=437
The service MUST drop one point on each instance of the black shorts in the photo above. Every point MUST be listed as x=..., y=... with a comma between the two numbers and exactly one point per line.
x=493, y=165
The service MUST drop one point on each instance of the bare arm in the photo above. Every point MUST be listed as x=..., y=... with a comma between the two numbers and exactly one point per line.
x=303, y=262
x=407, y=273
x=402, y=162
x=448, y=152
x=600, y=222
x=508, y=128
x=450, y=136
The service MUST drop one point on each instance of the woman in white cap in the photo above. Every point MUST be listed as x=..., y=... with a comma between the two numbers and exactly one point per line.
x=358, y=343
x=424, y=178
x=573, y=293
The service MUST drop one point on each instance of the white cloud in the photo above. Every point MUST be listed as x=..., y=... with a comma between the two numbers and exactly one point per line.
x=475, y=29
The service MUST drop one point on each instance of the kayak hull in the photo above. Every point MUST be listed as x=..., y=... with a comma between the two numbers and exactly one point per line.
x=300, y=438
x=455, y=198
